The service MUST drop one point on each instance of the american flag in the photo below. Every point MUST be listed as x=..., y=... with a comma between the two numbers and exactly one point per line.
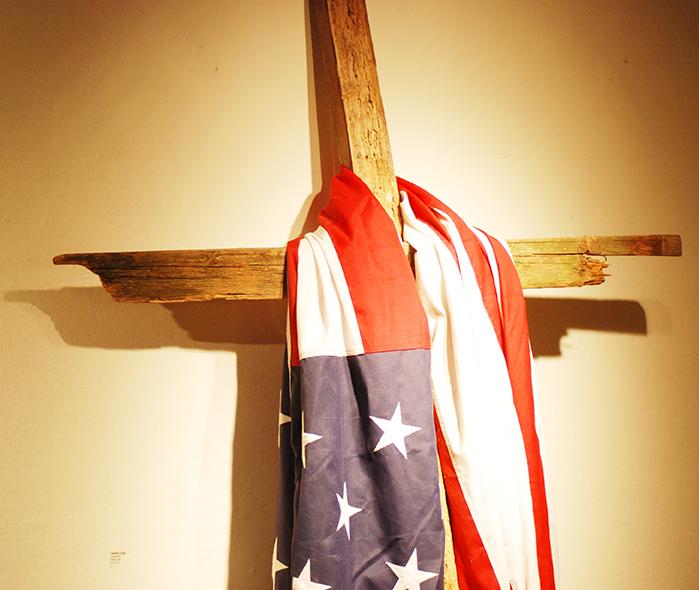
x=389, y=376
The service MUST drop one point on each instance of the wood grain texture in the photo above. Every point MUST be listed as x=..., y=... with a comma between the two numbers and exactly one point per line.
x=647, y=245
x=169, y=276
x=340, y=28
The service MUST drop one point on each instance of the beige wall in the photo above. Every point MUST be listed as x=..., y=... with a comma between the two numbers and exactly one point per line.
x=151, y=430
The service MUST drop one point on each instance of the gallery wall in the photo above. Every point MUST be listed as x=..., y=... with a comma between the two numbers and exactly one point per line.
x=138, y=441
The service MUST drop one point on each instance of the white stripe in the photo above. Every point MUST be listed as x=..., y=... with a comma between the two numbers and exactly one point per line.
x=543, y=451
x=492, y=261
x=534, y=380
x=473, y=398
x=328, y=327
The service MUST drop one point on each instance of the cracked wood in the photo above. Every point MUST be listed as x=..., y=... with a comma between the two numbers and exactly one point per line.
x=169, y=276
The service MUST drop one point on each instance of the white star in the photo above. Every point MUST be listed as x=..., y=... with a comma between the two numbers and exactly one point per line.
x=303, y=582
x=277, y=566
x=306, y=439
x=409, y=576
x=283, y=419
x=346, y=511
x=394, y=431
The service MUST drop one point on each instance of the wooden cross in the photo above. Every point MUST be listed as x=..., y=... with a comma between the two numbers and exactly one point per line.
x=340, y=31
x=340, y=34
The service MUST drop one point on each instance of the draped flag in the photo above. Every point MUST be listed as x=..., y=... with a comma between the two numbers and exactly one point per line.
x=390, y=377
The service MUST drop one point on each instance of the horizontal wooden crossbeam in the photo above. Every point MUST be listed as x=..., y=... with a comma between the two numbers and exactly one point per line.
x=169, y=276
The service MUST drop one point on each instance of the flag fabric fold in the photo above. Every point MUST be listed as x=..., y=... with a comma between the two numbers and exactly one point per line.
x=389, y=377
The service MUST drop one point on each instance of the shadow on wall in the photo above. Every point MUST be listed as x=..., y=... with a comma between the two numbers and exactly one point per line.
x=254, y=331
x=550, y=320
x=89, y=318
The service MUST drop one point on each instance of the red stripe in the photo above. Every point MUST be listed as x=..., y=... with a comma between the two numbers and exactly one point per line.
x=381, y=284
x=473, y=568
x=292, y=262
x=516, y=350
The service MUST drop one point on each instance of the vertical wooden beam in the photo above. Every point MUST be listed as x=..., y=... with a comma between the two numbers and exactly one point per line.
x=340, y=29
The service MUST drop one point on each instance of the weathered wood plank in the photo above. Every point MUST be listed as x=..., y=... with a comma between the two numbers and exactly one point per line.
x=257, y=273
x=538, y=271
x=648, y=245
x=341, y=30
x=213, y=258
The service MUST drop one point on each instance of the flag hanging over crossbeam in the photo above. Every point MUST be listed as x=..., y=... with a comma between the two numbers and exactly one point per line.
x=390, y=377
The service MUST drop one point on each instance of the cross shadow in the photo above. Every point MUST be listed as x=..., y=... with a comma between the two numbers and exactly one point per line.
x=254, y=331
x=550, y=320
